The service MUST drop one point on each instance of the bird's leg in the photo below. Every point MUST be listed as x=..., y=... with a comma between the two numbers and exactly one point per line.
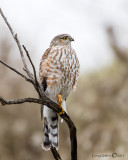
x=59, y=100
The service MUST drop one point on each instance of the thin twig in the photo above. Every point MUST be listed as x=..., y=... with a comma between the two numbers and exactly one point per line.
x=13, y=69
x=36, y=85
x=5, y=19
x=18, y=44
x=34, y=70
x=22, y=56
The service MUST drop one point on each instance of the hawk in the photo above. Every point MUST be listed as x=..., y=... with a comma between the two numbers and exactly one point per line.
x=59, y=70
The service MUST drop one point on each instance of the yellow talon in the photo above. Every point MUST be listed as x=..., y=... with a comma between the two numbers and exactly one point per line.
x=62, y=112
x=59, y=100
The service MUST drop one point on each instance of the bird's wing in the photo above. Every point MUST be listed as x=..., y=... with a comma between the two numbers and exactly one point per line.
x=43, y=79
x=50, y=67
x=42, y=71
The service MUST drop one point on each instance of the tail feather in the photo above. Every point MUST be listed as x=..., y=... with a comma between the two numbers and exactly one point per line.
x=53, y=135
x=46, y=143
x=50, y=129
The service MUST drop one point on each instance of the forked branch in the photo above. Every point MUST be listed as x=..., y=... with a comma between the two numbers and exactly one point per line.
x=32, y=78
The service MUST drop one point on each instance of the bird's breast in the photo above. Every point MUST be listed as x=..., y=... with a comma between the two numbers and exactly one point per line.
x=65, y=68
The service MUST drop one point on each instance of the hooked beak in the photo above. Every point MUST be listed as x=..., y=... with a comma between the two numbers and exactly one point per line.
x=71, y=39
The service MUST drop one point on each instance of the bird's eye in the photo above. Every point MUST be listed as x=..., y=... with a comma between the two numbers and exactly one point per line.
x=65, y=38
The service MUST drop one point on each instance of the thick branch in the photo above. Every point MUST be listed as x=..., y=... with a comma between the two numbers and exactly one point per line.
x=55, y=153
x=19, y=101
x=45, y=101
x=73, y=138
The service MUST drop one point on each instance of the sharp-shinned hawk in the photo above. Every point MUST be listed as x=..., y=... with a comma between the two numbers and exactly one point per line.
x=59, y=70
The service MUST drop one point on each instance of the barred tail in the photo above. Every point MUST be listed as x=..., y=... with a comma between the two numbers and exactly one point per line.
x=50, y=129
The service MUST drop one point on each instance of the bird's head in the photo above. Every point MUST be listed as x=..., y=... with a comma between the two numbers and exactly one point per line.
x=62, y=39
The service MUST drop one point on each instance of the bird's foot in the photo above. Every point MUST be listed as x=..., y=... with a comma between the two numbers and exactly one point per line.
x=59, y=100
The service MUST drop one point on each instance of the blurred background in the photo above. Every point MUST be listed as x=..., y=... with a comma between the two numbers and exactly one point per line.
x=99, y=107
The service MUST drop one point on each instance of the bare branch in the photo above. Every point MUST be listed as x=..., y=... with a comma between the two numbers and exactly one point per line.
x=19, y=101
x=18, y=44
x=46, y=101
x=73, y=138
x=5, y=19
x=34, y=70
x=22, y=56
x=43, y=99
x=13, y=69
x=55, y=153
